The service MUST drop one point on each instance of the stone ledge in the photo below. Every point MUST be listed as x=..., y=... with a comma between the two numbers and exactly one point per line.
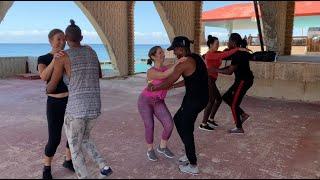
x=304, y=72
x=275, y=88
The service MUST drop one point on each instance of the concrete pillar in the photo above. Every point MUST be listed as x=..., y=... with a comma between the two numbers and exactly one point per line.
x=131, y=37
x=203, y=34
x=181, y=18
x=289, y=27
x=277, y=24
x=111, y=21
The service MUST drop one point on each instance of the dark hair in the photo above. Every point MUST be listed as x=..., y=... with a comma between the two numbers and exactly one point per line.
x=187, y=49
x=236, y=38
x=74, y=32
x=211, y=40
x=152, y=52
x=54, y=32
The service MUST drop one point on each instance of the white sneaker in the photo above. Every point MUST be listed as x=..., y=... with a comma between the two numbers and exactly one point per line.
x=183, y=160
x=190, y=169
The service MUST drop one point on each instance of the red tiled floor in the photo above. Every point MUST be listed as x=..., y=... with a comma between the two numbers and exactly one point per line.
x=281, y=139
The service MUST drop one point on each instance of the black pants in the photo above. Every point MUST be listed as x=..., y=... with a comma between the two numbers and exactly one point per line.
x=184, y=121
x=215, y=100
x=56, y=108
x=233, y=97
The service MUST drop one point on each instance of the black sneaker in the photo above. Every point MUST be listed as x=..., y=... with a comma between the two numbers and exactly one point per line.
x=46, y=174
x=212, y=124
x=68, y=165
x=236, y=131
x=205, y=127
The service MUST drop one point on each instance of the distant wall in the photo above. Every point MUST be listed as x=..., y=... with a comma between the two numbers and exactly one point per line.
x=11, y=66
x=284, y=80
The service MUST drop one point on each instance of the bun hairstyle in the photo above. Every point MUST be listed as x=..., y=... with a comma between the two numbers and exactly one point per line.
x=211, y=40
x=72, y=23
x=151, y=53
x=73, y=32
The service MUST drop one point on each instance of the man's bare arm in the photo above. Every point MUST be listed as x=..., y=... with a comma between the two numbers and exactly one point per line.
x=58, y=69
x=171, y=79
x=179, y=84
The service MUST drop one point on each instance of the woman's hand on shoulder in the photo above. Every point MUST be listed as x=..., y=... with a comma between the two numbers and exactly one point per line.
x=183, y=59
x=59, y=55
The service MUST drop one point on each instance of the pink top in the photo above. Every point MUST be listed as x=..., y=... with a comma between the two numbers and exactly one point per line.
x=157, y=94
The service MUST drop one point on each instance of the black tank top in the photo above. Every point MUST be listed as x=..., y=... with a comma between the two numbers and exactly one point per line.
x=197, y=83
x=46, y=60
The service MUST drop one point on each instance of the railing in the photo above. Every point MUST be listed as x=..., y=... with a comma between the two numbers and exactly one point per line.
x=299, y=40
x=296, y=41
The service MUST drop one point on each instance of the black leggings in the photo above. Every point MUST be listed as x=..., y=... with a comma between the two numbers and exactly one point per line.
x=56, y=108
x=233, y=97
x=184, y=121
x=215, y=100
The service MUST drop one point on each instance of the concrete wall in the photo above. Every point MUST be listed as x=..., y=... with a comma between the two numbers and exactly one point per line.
x=32, y=64
x=11, y=66
x=287, y=80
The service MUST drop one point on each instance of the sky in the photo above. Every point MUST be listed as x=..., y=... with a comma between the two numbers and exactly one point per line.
x=31, y=21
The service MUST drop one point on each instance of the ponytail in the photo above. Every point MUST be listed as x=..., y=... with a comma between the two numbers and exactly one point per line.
x=149, y=61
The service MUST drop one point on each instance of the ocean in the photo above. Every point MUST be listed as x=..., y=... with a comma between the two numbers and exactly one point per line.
x=141, y=52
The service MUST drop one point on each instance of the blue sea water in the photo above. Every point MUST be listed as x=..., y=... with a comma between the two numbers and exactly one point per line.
x=141, y=52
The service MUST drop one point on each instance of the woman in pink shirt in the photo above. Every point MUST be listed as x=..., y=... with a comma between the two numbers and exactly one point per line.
x=213, y=58
x=152, y=103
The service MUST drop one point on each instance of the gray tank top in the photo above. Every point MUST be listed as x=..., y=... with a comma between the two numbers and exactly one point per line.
x=84, y=89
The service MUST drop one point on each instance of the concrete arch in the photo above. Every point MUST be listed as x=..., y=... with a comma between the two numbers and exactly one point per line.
x=100, y=32
x=182, y=18
x=114, y=24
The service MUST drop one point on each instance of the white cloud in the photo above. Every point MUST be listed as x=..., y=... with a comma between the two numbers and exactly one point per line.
x=151, y=38
x=90, y=33
x=139, y=34
x=41, y=36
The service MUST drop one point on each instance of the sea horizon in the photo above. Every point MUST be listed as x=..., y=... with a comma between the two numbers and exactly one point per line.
x=38, y=49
